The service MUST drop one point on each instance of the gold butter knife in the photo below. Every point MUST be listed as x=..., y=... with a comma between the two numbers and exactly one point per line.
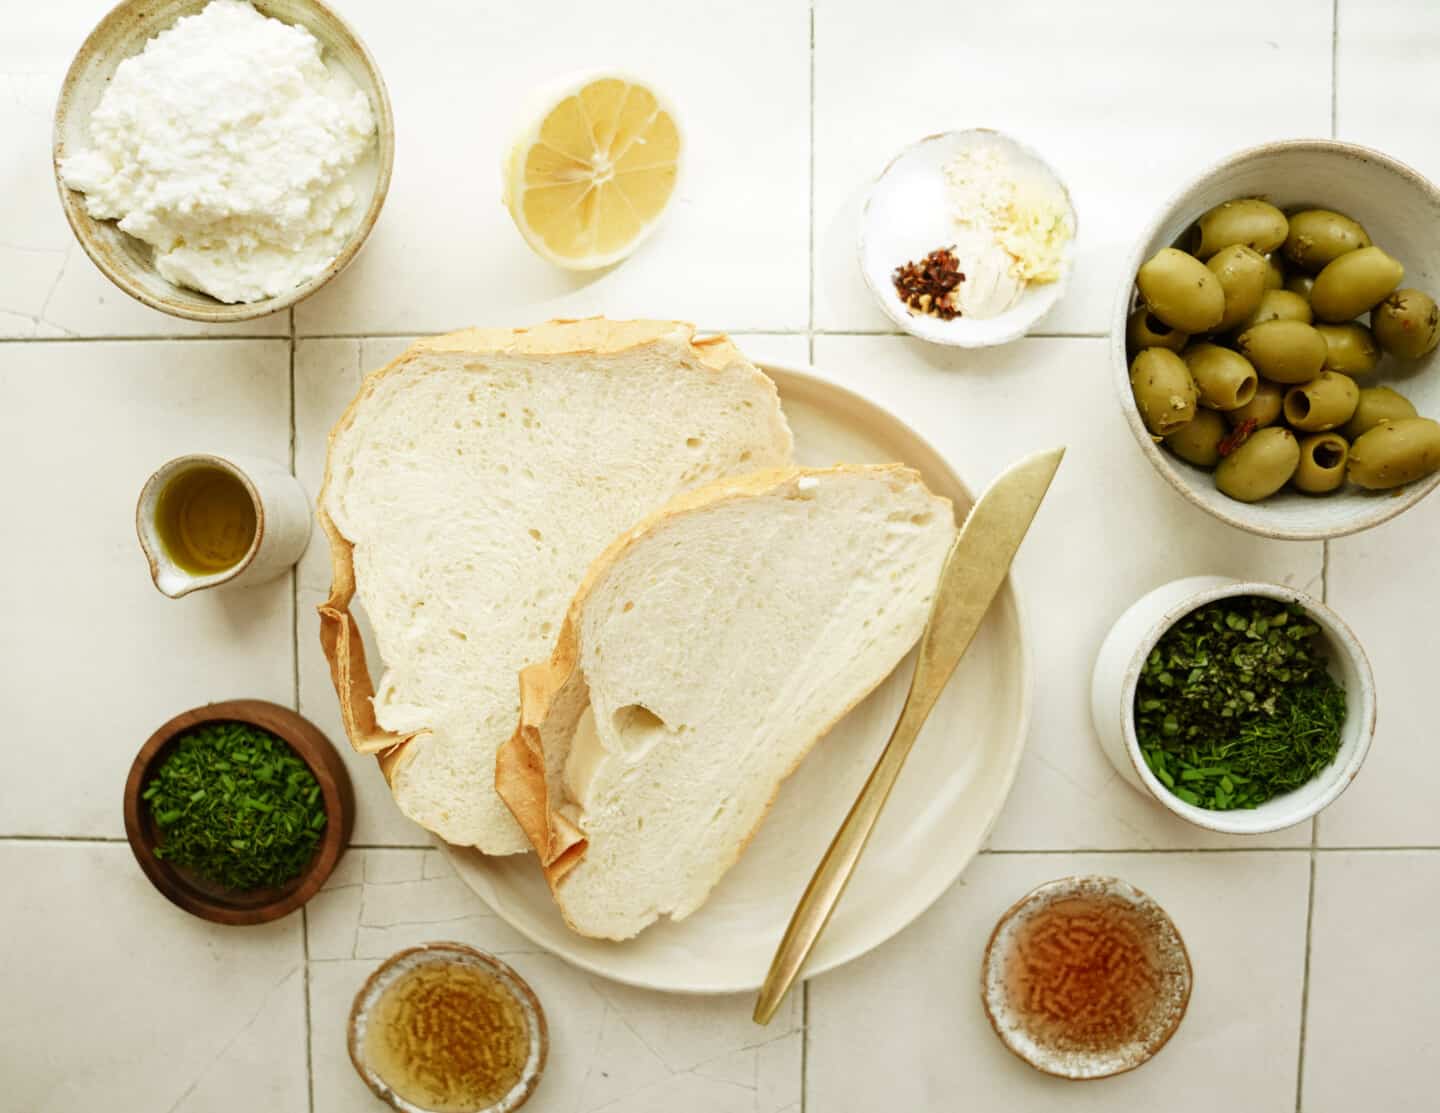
x=976, y=567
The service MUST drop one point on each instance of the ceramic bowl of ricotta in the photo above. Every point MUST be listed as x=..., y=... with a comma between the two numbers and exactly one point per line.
x=221, y=160
x=1000, y=211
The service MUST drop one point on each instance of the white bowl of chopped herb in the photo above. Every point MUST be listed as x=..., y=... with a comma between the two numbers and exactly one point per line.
x=238, y=811
x=1241, y=707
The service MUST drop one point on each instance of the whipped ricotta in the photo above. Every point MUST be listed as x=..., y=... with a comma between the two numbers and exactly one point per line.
x=232, y=149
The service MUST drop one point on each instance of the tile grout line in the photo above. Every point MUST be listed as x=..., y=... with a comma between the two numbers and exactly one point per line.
x=808, y=331
x=309, y=1027
x=810, y=353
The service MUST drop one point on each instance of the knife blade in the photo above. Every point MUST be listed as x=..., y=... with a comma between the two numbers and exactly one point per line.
x=975, y=568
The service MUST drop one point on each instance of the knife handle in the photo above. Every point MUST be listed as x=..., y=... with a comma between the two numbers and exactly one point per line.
x=826, y=886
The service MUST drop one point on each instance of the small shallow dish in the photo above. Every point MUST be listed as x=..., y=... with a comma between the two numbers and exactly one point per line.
x=1400, y=209
x=126, y=261
x=906, y=217
x=203, y=898
x=938, y=818
x=1170, y=959
x=400, y=964
x=1117, y=673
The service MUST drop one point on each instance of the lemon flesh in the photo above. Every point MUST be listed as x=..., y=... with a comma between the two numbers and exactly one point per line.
x=589, y=181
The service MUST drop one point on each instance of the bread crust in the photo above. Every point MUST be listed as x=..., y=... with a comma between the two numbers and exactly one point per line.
x=520, y=777
x=340, y=637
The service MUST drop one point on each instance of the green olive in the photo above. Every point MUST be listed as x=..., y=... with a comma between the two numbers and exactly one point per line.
x=1164, y=392
x=1322, y=463
x=1241, y=272
x=1353, y=283
x=1300, y=284
x=1326, y=402
x=1198, y=441
x=1264, y=409
x=1224, y=378
x=1260, y=466
x=1145, y=330
x=1407, y=324
x=1278, y=305
x=1376, y=404
x=1274, y=272
x=1318, y=237
x=1181, y=291
x=1257, y=224
x=1349, y=348
x=1284, y=351
x=1395, y=452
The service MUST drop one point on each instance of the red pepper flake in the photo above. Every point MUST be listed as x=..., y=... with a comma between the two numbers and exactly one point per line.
x=927, y=286
x=1238, y=436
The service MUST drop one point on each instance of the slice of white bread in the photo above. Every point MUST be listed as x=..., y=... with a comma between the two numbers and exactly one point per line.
x=467, y=489
x=708, y=649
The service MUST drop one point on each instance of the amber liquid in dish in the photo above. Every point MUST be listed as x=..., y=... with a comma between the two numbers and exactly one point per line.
x=449, y=1037
x=1083, y=974
x=206, y=520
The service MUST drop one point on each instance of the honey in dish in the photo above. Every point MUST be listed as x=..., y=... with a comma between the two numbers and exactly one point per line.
x=206, y=520
x=449, y=1037
x=1084, y=974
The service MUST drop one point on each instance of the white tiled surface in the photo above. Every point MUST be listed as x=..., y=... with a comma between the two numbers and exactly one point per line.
x=111, y=997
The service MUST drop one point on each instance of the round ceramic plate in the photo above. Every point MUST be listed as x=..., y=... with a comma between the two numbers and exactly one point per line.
x=944, y=806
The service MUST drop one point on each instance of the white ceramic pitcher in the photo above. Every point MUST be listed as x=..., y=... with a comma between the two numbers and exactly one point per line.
x=282, y=523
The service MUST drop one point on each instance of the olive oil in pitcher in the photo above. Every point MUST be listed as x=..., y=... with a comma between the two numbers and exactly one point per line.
x=205, y=518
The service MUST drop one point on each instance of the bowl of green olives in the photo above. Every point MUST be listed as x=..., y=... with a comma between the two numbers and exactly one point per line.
x=1276, y=351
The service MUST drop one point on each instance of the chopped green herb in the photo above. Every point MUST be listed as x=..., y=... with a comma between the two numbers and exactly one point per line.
x=236, y=805
x=1234, y=705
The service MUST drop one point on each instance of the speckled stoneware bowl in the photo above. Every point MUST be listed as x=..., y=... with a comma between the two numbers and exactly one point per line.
x=1400, y=209
x=128, y=262
x=1170, y=961
x=401, y=963
x=1117, y=673
x=907, y=216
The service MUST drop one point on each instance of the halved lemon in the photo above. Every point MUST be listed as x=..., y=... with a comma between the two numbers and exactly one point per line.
x=589, y=179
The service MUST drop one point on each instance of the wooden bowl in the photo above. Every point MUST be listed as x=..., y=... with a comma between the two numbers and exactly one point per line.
x=1400, y=209
x=128, y=262
x=203, y=898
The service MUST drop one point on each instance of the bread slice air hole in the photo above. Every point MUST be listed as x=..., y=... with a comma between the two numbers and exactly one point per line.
x=637, y=719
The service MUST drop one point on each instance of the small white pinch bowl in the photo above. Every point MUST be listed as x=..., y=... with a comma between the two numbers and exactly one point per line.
x=906, y=217
x=1400, y=209
x=1117, y=673
x=282, y=524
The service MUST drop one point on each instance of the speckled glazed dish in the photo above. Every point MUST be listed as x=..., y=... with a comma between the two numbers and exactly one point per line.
x=401, y=963
x=1400, y=209
x=126, y=261
x=1071, y=951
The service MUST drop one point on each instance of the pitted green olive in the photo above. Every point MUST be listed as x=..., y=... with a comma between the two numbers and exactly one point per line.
x=1241, y=272
x=1198, y=440
x=1181, y=291
x=1164, y=392
x=1278, y=305
x=1260, y=466
x=1300, y=284
x=1376, y=404
x=1257, y=224
x=1264, y=409
x=1145, y=330
x=1224, y=378
x=1322, y=464
x=1320, y=236
x=1326, y=402
x=1349, y=348
x=1407, y=324
x=1284, y=351
x=1274, y=272
x=1354, y=283
x=1396, y=452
